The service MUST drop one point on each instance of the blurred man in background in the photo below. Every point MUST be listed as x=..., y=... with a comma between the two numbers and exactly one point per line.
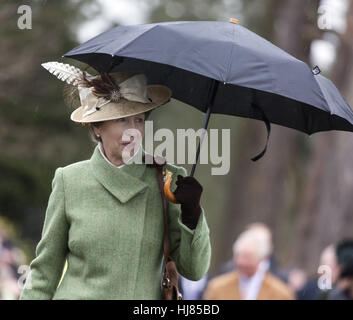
x=251, y=279
x=343, y=288
x=264, y=233
x=311, y=290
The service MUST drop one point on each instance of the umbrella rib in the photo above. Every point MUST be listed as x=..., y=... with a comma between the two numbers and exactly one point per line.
x=231, y=55
x=268, y=127
x=348, y=112
x=143, y=33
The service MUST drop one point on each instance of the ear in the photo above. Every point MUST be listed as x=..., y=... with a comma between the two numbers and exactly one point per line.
x=96, y=130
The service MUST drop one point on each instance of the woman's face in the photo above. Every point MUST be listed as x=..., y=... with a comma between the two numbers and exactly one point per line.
x=119, y=134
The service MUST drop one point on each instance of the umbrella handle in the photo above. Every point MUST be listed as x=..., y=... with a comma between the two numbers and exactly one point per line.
x=168, y=193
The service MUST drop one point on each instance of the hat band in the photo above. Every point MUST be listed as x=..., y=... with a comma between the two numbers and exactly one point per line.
x=132, y=89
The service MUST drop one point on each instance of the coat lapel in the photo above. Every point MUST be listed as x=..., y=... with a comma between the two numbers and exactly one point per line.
x=265, y=290
x=124, y=183
x=235, y=284
x=231, y=290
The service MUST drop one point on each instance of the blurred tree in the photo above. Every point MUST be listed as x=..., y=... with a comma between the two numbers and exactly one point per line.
x=183, y=10
x=35, y=133
x=326, y=210
x=269, y=190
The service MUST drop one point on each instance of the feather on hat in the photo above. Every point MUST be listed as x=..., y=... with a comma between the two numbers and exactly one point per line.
x=108, y=96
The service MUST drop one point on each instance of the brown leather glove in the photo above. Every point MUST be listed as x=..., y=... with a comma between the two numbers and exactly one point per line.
x=188, y=194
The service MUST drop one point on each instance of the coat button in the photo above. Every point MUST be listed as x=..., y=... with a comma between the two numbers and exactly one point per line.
x=143, y=191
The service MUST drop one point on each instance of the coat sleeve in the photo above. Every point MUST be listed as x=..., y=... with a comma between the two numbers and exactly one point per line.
x=190, y=249
x=46, y=269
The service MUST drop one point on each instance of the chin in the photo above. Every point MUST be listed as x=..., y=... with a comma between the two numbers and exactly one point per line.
x=129, y=151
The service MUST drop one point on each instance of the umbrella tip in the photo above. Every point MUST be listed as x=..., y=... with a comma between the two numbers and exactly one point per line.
x=316, y=70
x=233, y=20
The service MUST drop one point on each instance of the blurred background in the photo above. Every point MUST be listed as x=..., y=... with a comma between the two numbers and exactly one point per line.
x=301, y=189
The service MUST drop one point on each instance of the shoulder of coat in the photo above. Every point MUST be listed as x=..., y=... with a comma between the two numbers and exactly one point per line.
x=76, y=166
x=224, y=280
x=277, y=285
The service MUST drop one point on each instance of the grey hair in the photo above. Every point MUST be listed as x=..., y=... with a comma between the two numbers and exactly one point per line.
x=260, y=245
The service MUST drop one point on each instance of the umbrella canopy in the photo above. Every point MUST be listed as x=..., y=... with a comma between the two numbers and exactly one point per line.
x=222, y=67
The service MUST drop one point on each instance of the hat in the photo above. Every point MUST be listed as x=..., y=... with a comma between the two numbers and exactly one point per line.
x=110, y=96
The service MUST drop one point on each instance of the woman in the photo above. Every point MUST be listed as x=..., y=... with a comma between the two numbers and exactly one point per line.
x=105, y=216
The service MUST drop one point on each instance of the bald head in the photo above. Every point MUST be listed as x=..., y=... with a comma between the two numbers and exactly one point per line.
x=249, y=250
x=264, y=234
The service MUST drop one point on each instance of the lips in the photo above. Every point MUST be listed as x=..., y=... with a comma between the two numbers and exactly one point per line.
x=128, y=144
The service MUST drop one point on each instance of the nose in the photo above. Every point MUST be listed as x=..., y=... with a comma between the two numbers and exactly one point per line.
x=132, y=123
x=132, y=131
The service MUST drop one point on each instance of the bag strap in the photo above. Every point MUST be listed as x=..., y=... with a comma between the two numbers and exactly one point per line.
x=165, y=211
x=170, y=274
x=159, y=166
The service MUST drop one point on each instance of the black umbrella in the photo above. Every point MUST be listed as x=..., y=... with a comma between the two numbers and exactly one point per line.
x=222, y=67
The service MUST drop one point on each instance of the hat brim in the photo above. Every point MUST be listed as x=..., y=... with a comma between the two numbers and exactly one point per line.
x=159, y=95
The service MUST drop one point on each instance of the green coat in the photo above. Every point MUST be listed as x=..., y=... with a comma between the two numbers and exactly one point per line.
x=107, y=223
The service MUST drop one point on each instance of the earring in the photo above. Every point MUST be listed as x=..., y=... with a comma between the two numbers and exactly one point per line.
x=98, y=136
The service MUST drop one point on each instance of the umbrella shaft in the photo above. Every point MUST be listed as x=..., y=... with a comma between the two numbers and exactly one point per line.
x=208, y=114
x=201, y=139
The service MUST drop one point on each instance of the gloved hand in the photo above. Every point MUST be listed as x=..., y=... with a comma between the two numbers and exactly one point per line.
x=188, y=194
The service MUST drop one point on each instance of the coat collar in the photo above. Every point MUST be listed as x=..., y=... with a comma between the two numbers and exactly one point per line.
x=124, y=183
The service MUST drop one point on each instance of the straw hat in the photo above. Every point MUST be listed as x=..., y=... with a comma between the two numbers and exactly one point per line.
x=110, y=96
